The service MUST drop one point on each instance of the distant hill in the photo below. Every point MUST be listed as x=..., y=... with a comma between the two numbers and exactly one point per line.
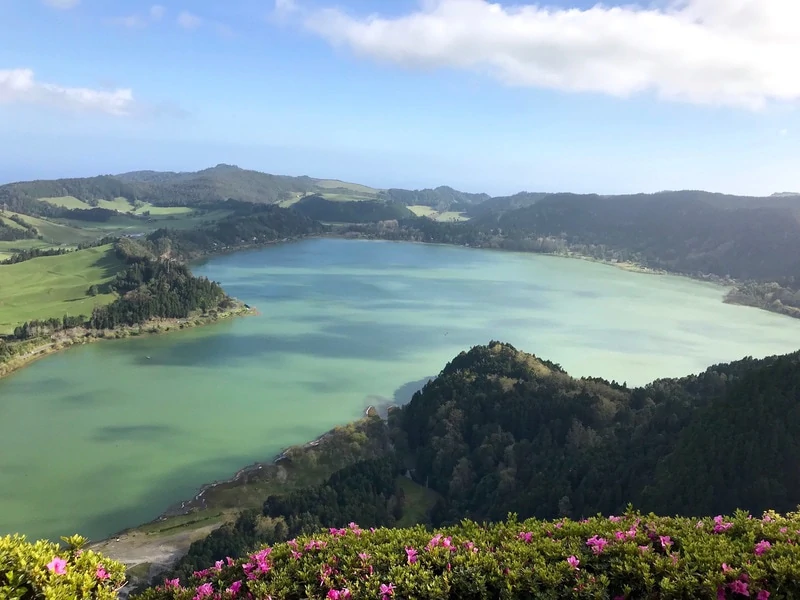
x=442, y=198
x=685, y=232
x=208, y=186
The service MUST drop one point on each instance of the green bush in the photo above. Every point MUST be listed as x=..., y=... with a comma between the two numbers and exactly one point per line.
x=634, y=556
x=29, y=571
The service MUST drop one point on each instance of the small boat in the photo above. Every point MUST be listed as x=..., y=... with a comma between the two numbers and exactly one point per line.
x=147, y=357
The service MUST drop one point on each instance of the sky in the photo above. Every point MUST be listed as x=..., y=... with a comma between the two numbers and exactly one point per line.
x=493, y=97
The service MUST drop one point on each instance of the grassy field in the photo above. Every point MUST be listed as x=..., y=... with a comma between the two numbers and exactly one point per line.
x=119, y=204
x=52, y=286
x=432, y=213
x=355, y=188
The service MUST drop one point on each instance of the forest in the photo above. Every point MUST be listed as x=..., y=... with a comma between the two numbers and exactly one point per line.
x=500, y=431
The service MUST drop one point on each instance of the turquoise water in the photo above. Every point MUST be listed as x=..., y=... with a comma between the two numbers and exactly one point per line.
x=99, y=438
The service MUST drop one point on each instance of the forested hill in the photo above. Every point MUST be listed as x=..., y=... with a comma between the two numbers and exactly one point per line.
x=501, y=431
x=680, y=233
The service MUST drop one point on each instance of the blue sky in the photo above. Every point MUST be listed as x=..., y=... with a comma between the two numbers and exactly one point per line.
x=496, y=98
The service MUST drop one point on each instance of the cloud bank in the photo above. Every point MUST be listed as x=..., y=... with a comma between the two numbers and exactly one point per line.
x=740, y=53
x=20, y=86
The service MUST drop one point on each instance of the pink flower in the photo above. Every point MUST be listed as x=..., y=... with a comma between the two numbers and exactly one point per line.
x=762, y=595
x=387, y=591
x=230, y=561
x=526, y=536
x=783, y=530
x=296, y=555
x=292, y=543
x=767, y=519
x=58, y=566
x=700, y=525
x=614, y=519
x=720, y=525
x=235, y=587
x=631, y=533
x=665, y=540
x=172, y=583
x=218, y=565
x=726, y=568
x=365, y=556
x=434, y=541
x=720, y=593
x=739, y=587
x=573, y=561
x=411, y=554
x=334, y=595
x=204, y=591
x=101, y=573
x=597, y=544
x=762, y=547
x=620, y=535
x=644, y=548
x=470, y=546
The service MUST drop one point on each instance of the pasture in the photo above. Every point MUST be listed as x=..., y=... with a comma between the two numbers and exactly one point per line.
x=52, y=286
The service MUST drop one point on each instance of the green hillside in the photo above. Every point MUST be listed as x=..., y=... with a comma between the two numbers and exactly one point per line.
x=52, y=286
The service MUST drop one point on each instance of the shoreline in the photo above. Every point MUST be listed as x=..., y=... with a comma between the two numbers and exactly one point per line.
x=730, y=286
x=79, y=336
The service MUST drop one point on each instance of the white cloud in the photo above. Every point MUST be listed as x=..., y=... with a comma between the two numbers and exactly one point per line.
x=740, y=53
x=20, y=86
x=63, y=4
x=189, y=21
x=157, y=12
x=783, y=132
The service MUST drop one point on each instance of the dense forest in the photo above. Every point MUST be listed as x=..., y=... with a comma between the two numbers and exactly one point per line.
x=320, y=209
x=501, y=431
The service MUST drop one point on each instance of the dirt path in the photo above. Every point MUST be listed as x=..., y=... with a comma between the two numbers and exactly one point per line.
x=157, y=550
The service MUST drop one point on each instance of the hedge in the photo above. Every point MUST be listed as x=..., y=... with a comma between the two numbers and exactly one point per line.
x=629, y=557
x=30, y=571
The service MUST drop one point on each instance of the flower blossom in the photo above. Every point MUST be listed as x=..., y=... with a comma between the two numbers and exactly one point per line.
x=58, y=566
x=597, y=544
x=387, y=591
x=411, y=555
x=525, y=536
x=720, y=525
x=365, y=556
x=172, y=583
x=573, y=562
x=739, y=587
x=235, y=587
x=101, y=573
x=665, y=540
x=204, y=591
x=614, y=519
x=762, y=547
x=762, y=595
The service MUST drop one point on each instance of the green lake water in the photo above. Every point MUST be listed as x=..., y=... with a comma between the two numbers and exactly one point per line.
x=99, y=438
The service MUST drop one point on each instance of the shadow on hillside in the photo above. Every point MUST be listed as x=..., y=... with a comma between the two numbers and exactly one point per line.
x=109, y=263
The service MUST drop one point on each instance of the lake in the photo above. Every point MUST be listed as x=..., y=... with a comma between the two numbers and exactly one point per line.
x=99, y=437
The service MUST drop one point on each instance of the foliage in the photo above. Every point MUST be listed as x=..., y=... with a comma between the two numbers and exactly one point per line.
x=45, y=570
x=320, y=209
x=631, y=556
x=441, y=198
x=156, y=289
x=249, y=225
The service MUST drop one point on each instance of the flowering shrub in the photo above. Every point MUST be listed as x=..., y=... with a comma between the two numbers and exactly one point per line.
x=30, y=571
x=633, y=556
